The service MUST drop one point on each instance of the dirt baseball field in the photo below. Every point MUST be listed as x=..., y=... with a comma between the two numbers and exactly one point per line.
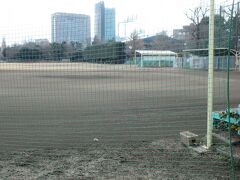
x=91, y=121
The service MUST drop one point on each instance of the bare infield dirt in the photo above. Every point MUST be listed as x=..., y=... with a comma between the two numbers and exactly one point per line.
x=51, y=112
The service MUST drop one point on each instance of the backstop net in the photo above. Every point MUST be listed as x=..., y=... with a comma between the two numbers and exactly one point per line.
x=107, y=95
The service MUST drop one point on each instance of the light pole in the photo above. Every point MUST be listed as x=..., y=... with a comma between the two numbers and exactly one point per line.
x=125, y=31
x=125, y=22
x=131, y=55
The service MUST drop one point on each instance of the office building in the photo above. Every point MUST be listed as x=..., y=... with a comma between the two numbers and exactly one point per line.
x=99, y=26
x=110, y=24
x=183, y=34
x=67, y=27
x=104, y=22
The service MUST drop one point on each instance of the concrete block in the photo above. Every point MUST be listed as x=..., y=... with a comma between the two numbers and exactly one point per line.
x=189, y=138
x=199, y=149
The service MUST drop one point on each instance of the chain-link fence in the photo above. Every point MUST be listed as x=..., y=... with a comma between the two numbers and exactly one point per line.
x=120, y=107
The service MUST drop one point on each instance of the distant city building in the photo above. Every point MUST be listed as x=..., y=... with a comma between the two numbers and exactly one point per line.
x=71, y=27
x=104, y=26
x=183, y=34
x=42, y=42
x=99, y=26
x=110, y=24
x=179, y=34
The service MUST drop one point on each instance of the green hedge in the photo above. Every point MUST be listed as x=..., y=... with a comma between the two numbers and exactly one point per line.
x=112, y=53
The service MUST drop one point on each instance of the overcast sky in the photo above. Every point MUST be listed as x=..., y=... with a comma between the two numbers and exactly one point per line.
x=23, y=20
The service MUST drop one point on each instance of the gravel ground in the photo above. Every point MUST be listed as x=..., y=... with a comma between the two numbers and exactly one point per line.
x=51, y=112
x=132, y=160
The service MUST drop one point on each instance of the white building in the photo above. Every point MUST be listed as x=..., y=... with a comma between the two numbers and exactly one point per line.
x=154, y=58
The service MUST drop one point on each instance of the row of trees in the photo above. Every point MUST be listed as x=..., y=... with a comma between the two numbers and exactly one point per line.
x=32, y=51
x=111, y=52
x=197, y=32
x=199, y=27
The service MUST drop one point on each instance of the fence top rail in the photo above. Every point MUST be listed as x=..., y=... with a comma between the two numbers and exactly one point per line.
x=204, y=52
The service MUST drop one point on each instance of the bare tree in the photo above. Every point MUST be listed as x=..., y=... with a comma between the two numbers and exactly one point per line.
x=135, y=42
x=96, y=40
x=195, y=16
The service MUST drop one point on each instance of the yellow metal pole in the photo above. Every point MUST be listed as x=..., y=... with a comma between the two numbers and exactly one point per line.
x=210, y=75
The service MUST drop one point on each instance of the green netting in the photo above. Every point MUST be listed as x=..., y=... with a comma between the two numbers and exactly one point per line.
x=108, y=95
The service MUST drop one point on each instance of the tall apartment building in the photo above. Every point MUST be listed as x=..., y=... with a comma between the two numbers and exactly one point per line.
x=104, y=28
x=71, y=27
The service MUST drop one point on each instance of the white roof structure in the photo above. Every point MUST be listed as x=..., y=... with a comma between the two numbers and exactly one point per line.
x=156, y=53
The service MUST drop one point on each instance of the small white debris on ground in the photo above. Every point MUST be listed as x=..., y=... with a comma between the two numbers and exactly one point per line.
x=95, y=139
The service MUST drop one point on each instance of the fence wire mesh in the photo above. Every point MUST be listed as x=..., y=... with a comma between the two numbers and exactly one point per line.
x=90, y=99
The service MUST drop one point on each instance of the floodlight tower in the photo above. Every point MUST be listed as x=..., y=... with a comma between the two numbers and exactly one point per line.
x=125, y=22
